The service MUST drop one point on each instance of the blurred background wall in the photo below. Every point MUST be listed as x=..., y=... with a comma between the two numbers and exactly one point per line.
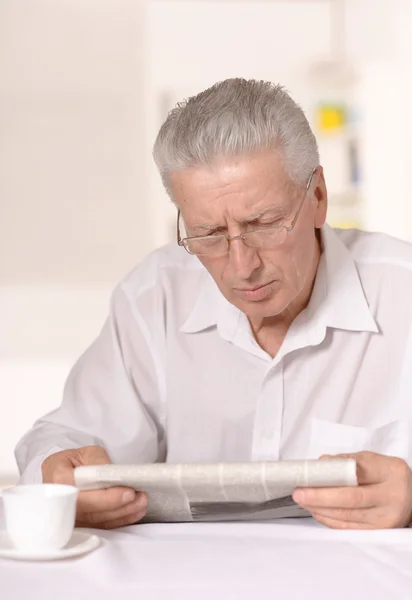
x=84, y=87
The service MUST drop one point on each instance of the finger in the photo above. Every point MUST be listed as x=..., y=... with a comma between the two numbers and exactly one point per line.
x=105, y=500
x=342, y=514
x=134, y=511
x=58, y=468
x=336, y=524
x=93, y=455
x=122, y=522
x=375, y=468
x=337, y=497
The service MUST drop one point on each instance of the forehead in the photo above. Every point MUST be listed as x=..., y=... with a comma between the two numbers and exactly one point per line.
x=232, y=187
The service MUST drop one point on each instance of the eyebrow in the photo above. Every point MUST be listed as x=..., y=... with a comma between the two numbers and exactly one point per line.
x=277, y=211
x=204, y=227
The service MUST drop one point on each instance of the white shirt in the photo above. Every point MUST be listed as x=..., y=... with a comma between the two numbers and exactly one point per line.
x=176, y=374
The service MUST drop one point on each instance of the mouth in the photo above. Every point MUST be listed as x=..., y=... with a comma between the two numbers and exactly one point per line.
x=256, y=293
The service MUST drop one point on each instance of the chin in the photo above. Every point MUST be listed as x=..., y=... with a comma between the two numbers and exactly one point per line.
x=264, y=309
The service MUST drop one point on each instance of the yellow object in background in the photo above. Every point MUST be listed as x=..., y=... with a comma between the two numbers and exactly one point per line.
x=330, y=117
x=345, y=224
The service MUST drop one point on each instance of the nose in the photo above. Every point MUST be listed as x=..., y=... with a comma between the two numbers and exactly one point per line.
x=243, y=260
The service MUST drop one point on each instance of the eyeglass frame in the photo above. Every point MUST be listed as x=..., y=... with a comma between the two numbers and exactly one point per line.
x=181, y=241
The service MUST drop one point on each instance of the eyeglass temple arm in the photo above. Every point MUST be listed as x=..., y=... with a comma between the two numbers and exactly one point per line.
x=303, y=200
x=179, y=239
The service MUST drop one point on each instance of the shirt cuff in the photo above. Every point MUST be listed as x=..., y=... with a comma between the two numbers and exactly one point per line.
x=32, y=473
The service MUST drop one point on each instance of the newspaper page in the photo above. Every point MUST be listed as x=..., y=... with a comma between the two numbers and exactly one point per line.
x=220, y=492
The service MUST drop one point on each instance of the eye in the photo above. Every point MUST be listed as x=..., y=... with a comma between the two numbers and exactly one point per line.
x=267, y=223
x=214, y=232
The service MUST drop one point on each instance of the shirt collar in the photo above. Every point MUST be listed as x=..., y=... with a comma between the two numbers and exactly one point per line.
x=337, y=299
x=210, y=309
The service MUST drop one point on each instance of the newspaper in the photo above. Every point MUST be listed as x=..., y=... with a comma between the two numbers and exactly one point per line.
x=220, y=492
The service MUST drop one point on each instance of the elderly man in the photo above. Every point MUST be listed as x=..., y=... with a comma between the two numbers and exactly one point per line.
x=262, y=334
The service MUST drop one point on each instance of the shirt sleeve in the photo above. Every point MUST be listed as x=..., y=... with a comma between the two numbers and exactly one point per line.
x=112, y=399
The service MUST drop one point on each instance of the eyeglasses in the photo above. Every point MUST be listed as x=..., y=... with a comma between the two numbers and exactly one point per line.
x=219, y=244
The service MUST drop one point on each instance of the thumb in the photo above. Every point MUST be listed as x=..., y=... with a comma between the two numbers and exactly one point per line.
x=93, y=455
x=59, y=467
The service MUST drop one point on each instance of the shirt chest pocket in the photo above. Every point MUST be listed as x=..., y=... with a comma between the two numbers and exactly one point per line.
x=391, y=439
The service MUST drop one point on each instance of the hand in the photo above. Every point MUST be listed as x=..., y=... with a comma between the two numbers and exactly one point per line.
x=103, y=509
x=383, y=499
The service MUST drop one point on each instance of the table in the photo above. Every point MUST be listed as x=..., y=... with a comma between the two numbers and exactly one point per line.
x=293, y=559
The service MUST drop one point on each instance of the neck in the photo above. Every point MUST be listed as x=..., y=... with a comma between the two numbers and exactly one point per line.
x=271, y=331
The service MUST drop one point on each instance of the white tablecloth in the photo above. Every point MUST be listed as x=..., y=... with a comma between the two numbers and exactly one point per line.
x=293, y=559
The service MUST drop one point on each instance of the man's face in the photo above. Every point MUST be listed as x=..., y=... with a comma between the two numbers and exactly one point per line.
x=241, y=194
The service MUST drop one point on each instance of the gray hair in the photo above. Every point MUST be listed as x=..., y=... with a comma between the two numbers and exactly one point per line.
x=233, y=118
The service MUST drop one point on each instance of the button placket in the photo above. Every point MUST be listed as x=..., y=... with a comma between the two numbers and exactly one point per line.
x=269, y=414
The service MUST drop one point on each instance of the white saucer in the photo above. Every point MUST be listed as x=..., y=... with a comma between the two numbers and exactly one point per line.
x=80, y=543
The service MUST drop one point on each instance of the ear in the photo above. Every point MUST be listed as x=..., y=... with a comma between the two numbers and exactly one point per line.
x=320, y=198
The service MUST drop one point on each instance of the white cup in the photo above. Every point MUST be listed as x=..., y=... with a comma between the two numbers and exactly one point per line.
x=40, y=518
